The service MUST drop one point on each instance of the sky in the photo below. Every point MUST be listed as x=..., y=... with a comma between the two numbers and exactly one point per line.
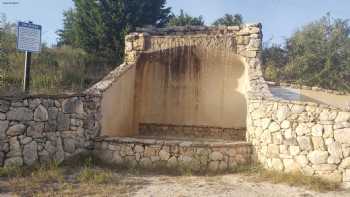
x=280, y=18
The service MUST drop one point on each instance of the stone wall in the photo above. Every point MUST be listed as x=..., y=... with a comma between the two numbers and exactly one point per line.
x=45, y=128
x=298, y=136
x=153, y=153
x=192, y=131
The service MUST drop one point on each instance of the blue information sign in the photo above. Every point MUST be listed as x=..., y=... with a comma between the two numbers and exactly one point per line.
x=28, y=37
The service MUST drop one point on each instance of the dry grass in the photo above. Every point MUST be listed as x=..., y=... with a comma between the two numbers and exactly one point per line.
x=86, y=176
x=258, y=174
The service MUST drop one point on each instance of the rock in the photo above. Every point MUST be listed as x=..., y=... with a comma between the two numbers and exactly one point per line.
x=317, y=130
x=274, y=127
x=146, y=163
x=3, y=127
x=265, y=123
x=41, y=114
x=343, y=117
x=285, y=124
x=297, y=109
x=277, y=164
x=324, y=167
x=73, y=105
x=290, y=165
x=15, y=130
x=2, y=116
x=333, y=160
x=35, y=130
x=139, y=149
x=345, y=164
x=335, y=150
x=172, y=162
x=273, y=150
x=294, y=150
x=327, y=115
x=216, y=156
x=34, y=103
x=26, y=140
x=63, y=121
x=20, y=114
x=69, y=145
x=308, y=171
x=331, y=177
x=304, y=143
x=59, y=155
x=13, y=161
x=318, y=143
x=302, y=160
x=282, y=113
x=30, y=155
x=2, y=158
x=213, y=166
x=342, y=135
x=346, y=176
x=318, y=157
x=4, y=106
x=164, y=155
x=302, y=129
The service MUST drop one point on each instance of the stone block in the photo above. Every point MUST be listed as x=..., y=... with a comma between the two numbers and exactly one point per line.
x=20, y=114
x=304, y=143
x=41, y=114
x=342, y=135
x=318, y=157
x=15, y=130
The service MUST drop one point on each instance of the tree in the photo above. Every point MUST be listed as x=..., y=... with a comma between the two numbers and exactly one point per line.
x=316, y=55
x=229, y=20
x=319, y=54
x=99, y=26
x=184, y=19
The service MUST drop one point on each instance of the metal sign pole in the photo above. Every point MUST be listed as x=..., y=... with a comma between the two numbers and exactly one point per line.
x=26, y=79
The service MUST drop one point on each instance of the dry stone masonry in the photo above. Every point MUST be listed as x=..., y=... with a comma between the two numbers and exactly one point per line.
x=42, y=129
x=298, y=136
x=194, y=155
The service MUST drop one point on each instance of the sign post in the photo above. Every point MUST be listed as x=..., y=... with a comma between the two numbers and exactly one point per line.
x=28, y=40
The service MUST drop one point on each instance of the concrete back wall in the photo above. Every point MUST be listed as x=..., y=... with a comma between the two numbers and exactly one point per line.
x=117, y=106
x=191, y=86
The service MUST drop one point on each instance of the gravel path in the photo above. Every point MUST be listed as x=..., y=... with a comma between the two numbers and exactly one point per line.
x=225, y=185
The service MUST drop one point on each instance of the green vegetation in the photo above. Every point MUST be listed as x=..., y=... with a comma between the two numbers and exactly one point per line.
x=316, y=55
x=229, y=20
x=99, y=27
x=184, y=19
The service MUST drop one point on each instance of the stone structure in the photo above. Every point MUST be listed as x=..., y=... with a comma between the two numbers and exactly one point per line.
x=299, y=136
x=178, y=89
x=44, y=128
x=195, y=155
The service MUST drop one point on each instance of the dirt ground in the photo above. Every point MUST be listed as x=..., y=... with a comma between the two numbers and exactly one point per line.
x=163, y=186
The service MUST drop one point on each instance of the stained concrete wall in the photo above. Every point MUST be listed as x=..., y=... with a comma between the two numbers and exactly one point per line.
x=118, y=106
x=191, y=86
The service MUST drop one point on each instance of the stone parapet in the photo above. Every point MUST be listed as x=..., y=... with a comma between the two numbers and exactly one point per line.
x=300, y=136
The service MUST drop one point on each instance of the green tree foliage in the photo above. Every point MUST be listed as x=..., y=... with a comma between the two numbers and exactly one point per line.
x=229, y=20
x=54, y=70
x=317, y=55
x=99, y=27
x=184, y=19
